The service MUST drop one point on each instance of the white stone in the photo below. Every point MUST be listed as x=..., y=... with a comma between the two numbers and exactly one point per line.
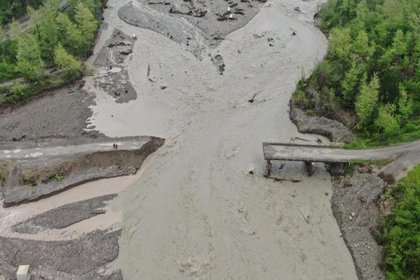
x=23, y=272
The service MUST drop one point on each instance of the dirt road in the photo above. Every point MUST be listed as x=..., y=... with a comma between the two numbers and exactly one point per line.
x=197, y=212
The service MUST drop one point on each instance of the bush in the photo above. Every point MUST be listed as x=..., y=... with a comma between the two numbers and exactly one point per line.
x=7, y=72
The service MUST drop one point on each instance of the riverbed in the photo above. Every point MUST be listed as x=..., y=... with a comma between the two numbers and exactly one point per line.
x=202, y=208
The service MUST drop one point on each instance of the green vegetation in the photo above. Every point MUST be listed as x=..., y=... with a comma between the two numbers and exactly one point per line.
x=49, y=52
x=10, y=9
x=28, y=181
x=370, y=78
x=401, y=231
x=57, y=177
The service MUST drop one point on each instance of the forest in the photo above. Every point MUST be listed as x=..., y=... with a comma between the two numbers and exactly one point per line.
x=42, y=45
x=370, y=77
x=401, y=230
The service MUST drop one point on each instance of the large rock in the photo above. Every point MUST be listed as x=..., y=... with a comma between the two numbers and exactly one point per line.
x=334, y=130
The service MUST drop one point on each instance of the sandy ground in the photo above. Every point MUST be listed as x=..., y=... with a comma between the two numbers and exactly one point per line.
x=196, y=212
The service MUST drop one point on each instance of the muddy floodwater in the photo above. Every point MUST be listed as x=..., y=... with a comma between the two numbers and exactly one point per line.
x=201, y=208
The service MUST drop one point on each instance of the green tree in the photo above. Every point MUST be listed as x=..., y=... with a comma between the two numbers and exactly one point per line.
x=340, y=43
x=361, y=46
x=386, y=121
x=350, y=83
x=15, y=29
x=44, y=25
x=87, y=25
x=67, y=63
x=397, y=50
x=405, y=103
x=29, y=61
x=367, y=100
x=70, y=36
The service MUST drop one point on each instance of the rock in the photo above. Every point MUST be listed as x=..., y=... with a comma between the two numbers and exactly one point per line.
x=335, y=168
x=334, y=130
x=219, y=63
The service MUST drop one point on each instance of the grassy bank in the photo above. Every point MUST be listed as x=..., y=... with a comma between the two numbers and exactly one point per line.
x=401, y=231
x=370, y=77
x=48, y=50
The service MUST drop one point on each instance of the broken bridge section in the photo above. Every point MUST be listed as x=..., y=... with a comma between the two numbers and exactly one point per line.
x=331, y=154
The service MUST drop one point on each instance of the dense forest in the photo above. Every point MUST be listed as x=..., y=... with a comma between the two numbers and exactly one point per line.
x=370, y=78
x=42, y=45
x=401, y=230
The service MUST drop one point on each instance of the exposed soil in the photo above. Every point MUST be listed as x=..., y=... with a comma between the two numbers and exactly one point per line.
x=355, y=204
x=81, y=258
x=64, y=216
x=112, y=77
x=59, y=114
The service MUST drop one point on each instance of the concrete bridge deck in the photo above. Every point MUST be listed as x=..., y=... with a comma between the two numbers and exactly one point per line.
x=331, y=154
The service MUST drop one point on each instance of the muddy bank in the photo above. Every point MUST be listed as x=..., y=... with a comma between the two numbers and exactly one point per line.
x=83, y=258
x=111, y=75
x=59, y=114
x=356, y=206
x=64, y=216
x=196, y=25
x=35, y=175
x=333, y=130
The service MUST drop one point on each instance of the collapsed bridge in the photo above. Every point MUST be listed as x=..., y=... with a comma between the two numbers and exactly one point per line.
x=331, y=154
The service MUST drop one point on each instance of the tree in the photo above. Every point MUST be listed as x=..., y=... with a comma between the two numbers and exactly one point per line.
x=29, y=61
x=367, y=100
x=386, y=120
x=15, y=29
x=66, y=62
x=340, y=43
x=70, y=36
x=405, y=103
x=44, y=25
x=350, y=83
x=87, y=25
x=362, y=47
